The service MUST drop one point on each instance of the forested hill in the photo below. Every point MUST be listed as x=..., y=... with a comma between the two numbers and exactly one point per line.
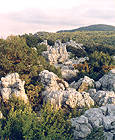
x=96, y=27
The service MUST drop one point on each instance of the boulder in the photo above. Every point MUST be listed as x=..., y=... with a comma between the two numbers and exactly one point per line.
x=56, y=54
x=52, y=82
x=79, y=99
x=107, y=82
x=83, y=84
x=11, y=85
x=95, y=118
x=102, y=97
x=57, y=91
x=74, y=44
x=68, y=74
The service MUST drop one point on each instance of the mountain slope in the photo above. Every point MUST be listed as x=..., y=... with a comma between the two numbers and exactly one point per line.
x=96, y=27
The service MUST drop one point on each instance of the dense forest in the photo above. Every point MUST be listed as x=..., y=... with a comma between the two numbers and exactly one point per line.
x=23, y=54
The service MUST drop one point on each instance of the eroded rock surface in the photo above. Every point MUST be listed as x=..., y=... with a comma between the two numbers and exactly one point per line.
x=57, y=91
x=59, y=56
x=11, y=85
x=83, y=84
x=107, y=82
x=95, y=118
x=102, y=97
x=56, y=54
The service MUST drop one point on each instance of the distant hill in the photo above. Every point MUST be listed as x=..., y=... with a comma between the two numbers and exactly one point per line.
x=96, y=27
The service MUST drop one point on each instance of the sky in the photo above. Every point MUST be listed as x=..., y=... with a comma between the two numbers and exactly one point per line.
x=31, y=16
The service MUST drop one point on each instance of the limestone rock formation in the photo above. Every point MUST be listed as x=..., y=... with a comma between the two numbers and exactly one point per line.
x=79, y=99
x=52, y=82
x=68, y=72
x=102, y=97
x=107, y=82
x=56, y=54
x=74, y=44
x=57, y=91
x=59, y=56
x=95, y=118
x=83, y=84
x=11, y=85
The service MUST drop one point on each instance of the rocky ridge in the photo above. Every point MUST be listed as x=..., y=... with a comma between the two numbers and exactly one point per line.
x=59, y=56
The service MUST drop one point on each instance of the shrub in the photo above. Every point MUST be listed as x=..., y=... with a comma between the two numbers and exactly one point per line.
x=21, y=123
x=55, y=124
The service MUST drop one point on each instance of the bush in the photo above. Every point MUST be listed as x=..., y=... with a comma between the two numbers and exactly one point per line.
x=24, y=124
x=55, y=124
x=16, y=56
x=21, y=123
x=41, y=48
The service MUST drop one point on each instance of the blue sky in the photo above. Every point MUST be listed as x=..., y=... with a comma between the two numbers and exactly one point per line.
x=25, y=16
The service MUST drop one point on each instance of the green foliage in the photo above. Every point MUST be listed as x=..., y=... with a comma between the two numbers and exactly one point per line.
x=34, y=95
x=55, y=124
x=99, y=63
x=24, y=124
x=20, y=124
x=31, y=40
x=76, y=52
x=16, y=56
x=96, y=61
x=41, y=48
x=92, y=40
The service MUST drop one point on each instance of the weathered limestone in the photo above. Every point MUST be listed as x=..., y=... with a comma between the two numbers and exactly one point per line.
x=56, y=54
x=59, y=56
x=57, y=91
x=52, y=82
x=79, y=99
x=83, y=84
x=102, y=97
x=68, y=73
x=11, y=85
x=95, y=118
x=74, y=44
x=107, y=82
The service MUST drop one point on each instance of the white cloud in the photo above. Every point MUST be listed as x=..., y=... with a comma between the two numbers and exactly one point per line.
x=20, y=16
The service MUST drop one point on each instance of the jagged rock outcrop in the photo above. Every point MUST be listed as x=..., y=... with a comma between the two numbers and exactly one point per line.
x=102, y=97
x=11, y=85
x=74, y=44
x=107, y=82
x=95, y=118
x=68, y=72
x=59, y=56
x=79, y=99
x=57, y=91
x=56, y=54
x=52, y=82
x=83, y=84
